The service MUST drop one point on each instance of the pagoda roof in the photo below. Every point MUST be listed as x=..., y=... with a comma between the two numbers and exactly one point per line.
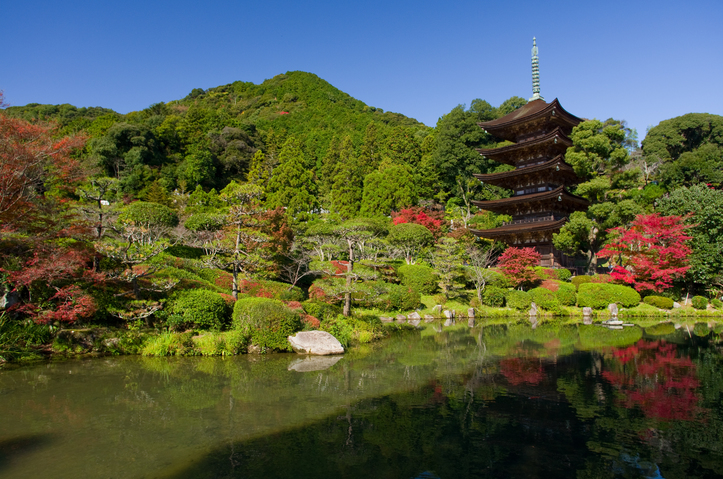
x=507, y=127
x=558, y=161
x=516, y=228
x=506, y=154
x=503, y=204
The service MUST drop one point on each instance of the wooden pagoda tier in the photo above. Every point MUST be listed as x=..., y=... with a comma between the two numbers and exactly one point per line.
x=528, y=207
x=535, y=151
x=532, y=120
x=531, y=232
x=533, y=179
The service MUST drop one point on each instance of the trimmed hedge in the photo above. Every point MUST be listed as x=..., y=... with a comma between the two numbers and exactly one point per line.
x=494, y=296
x=321, y=310
x=699, y=302
x=563, y=274
x=518, y=299
x=659, y=302
x=565, y=294
x=600, y=295
x=545, y=299
x=578, y=280
x=717, y=303
x=267, y=321
x=420, y=277
x=270, y=289
x=198, y=308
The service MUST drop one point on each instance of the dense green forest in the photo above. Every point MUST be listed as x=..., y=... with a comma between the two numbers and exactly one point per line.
x=293, y=202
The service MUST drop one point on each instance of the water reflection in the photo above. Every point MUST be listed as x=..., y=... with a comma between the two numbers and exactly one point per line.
x=492, y=401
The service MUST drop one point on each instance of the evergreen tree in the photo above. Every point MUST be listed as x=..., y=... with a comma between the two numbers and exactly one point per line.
x=291, y=186
x=389, y=188
x=327, y=170
x=346, y=193
x=401, y=147
x=370, y=155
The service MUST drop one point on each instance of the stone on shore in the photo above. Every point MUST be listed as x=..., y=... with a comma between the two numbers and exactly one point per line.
x=448, y=314
x=401, y=318
x=414, y=315
x=533, y=309
x=318, y=343
x=385, y=319
x=428, y=318
x=470, y=313
x=613, y=308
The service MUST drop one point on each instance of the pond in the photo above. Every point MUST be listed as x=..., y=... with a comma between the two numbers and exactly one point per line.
x=494, y=401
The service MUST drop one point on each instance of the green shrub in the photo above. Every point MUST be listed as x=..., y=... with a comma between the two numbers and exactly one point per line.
x=420, y=277
x=401, y=298
x=699, y=302
x=545, y=273
x=270, y=289
x=717, y=303
x=545, y=299
x=227, y=343
x=197, y=308
x=563, y=274
x=518, y=299
x=499, y=280
x=566, y=295
x=494, y=296
x=582, y=279
x=600, y=295
x=267, y=321
x=320, y=310
x=141, y=213
x=661, y=329
x=659, y=302
x=340, y=327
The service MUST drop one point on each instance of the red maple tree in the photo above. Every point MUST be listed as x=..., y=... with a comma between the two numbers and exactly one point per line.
x=651, y=253
x=518, y=264
x=432, y=220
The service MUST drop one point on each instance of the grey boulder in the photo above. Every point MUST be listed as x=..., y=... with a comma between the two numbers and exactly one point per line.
x=318, y=343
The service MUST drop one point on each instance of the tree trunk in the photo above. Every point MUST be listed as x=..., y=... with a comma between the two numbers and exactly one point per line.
x=136, y=288
x=234, y=291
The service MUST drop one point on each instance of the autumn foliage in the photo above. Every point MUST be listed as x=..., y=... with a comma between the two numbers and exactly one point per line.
x=432, y=220
x=518, y=264
x=653, y=377
x=651, y=254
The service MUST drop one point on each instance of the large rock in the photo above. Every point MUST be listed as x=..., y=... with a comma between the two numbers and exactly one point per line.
x=318, y=343
x=448, y=314
x=401, y=318
x=676, y=305
x=8, y=298
x=385, y=319
x=613, y=308
x=587, y=311
x=313, y=363
x=415, y=315
x=533, y=309
x=470, y=313
x=428, y=318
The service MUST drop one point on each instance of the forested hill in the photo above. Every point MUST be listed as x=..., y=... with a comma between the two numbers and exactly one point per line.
x=213, y=136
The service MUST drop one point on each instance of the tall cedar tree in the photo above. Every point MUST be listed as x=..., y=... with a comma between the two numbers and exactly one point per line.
x=292, y=186
x=346, y=192
x=651, y=253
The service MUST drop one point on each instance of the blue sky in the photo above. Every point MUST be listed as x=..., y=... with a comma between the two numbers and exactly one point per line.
x=642, y=62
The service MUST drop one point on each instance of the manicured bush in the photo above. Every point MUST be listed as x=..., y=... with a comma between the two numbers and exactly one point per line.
x=141, y=213
x=420, y=277
x=661, y=329
x=600, y=295
x=717, y=303
x=563, y=274
x=197, y=308
x=340, y=327
x=699, y=302
x=499, y=280
x=267, y=321
x=262, y=288
x=659, y=302
x=545, y=273
x=601, y=278
x=565, y=294
x=403, y=298
x=545, y=299
x=494, y=296
x=582, y=279
x=518, y=299
x=321, y=310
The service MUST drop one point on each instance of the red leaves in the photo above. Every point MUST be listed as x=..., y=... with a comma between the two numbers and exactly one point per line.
x=652, y=253
x=432, y=220
x=650, y=375
x=518, y=263
x=30, y=161
x=72, y=304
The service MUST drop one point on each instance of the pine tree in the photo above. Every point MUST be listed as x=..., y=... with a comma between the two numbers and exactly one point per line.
x=370, y=155
x=326, y=171
x=389, y=188
x=291, y=186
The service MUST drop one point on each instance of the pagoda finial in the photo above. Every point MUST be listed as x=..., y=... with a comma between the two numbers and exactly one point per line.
x=535, y=73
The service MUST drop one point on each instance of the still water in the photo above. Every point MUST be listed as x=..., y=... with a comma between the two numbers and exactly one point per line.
x=494, y=401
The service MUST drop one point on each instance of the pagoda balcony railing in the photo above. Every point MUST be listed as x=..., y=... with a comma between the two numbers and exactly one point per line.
x=536, y=219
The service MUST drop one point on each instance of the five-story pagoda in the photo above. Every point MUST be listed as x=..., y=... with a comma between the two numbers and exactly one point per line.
x=540, y=203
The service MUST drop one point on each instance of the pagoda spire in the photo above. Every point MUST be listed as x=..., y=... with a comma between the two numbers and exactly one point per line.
x=535, y=73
